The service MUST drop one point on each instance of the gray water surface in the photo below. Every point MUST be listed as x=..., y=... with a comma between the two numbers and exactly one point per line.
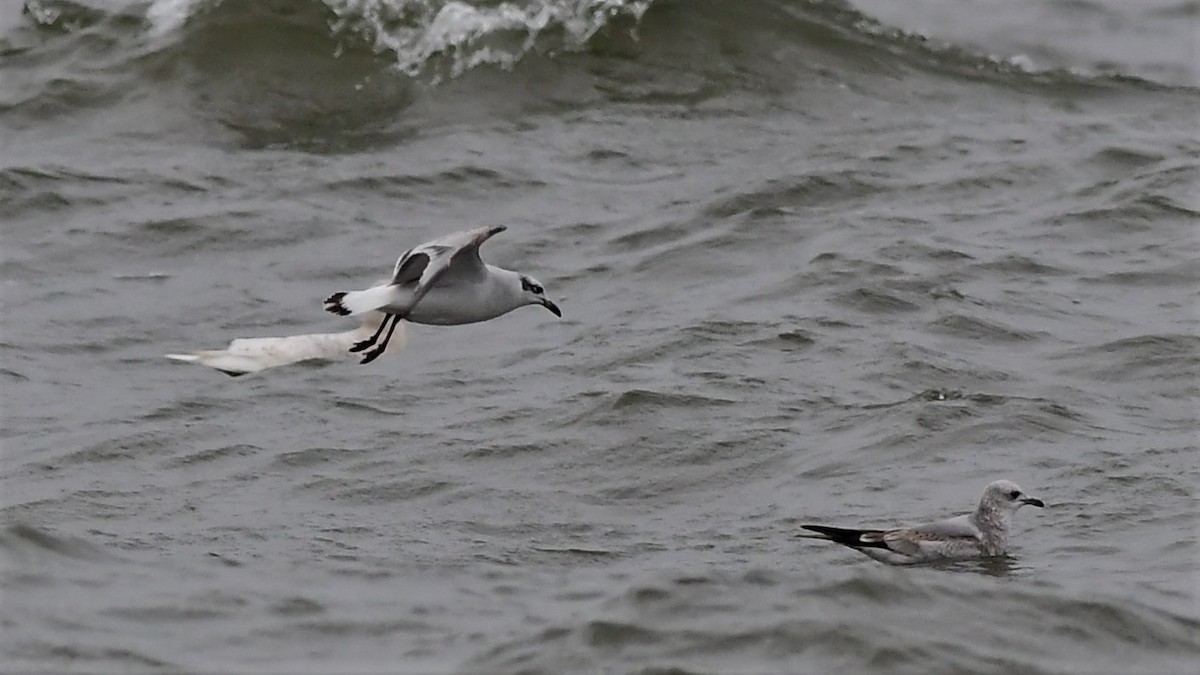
x=816, y=263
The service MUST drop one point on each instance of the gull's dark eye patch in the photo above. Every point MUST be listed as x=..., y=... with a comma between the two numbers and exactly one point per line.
x=1014, y=494
x=528, y=285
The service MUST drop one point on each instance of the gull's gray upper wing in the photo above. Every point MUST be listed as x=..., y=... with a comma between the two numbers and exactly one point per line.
x=456, y=253
x=958, y=526
x=937, y=539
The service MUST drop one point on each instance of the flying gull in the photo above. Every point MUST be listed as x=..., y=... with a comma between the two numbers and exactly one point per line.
x=441, y=282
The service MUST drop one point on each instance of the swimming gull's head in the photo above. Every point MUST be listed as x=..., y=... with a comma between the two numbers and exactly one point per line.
x=1005, y=496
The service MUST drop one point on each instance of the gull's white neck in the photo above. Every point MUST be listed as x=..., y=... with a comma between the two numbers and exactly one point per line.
x=505, y=285
x=992, y=524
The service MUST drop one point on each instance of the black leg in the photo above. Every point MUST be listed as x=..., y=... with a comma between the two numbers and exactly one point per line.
x=382, y=346
x=359, y=346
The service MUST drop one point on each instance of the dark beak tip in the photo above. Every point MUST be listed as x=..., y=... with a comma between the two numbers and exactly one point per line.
x=553, y=308
x=1036, y=502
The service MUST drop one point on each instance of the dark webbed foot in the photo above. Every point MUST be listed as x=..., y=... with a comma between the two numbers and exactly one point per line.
x=365, y=344
x=381, y=347
x=371, y=356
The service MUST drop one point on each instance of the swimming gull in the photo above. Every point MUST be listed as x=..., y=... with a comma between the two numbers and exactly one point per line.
x=441, y=282
x=980, y=534
x=250, y=355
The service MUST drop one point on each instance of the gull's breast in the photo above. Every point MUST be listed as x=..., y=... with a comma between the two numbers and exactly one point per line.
x=453, y=306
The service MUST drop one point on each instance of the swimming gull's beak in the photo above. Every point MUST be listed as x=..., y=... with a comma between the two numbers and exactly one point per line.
x=552, y=307
x=1033, y=501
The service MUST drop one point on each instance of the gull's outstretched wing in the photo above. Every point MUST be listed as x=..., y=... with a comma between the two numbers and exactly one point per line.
x=446, y=260
x=456, y=254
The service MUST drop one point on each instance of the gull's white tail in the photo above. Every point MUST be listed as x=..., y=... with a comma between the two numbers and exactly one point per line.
x=357, y=302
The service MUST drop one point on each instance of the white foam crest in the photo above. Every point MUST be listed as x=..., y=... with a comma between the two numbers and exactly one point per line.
x=166, y=16
x=418, y=32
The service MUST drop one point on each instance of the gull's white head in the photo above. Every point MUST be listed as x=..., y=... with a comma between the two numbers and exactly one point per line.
x=1005, y=495
x=535, y=294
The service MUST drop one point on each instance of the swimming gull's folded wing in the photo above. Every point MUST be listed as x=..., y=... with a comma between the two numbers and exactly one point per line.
x=958, y=526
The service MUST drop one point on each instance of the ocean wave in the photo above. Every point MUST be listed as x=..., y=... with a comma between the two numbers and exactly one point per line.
x=432, y=39
x=462, y=36
x=20, y=541
x=437, y=40
x=816, y=625
x=343, y=75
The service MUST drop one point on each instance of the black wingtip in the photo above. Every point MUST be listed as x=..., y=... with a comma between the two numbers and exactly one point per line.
x=491, y=231
x=333, y=304
x=846, y=536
